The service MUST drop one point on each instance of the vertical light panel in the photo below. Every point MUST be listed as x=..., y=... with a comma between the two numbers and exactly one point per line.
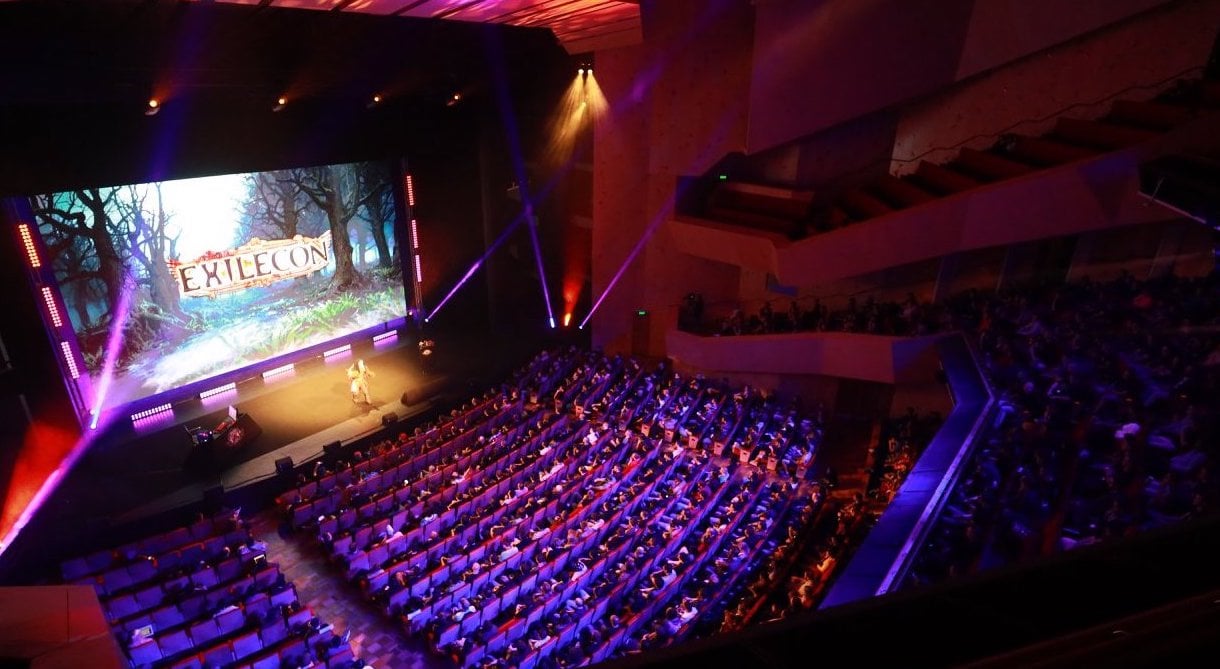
x=410, y=191
x=419, y=272
x=52, y=309
x=27, y=240
x=414, y=234
x=69, y=359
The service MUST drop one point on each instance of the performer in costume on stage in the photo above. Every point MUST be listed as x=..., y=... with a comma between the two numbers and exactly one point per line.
x=359, y=375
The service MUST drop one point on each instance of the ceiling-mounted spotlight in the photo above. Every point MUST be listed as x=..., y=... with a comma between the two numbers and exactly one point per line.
x=280, y=102
x=453, y=99
x=376, y=100
x=154, y=106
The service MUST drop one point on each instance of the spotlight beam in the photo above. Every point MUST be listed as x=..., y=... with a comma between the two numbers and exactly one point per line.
x=542, y=195
x=546, y=190
x=635, y=251
x=546, y=293
x=495, y=54
x=118, y=319
x=652, y=227
x=679, y=192
x=477, y=264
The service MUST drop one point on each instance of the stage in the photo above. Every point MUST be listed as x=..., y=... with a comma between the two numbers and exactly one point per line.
x=137, y=470
x=134, y=473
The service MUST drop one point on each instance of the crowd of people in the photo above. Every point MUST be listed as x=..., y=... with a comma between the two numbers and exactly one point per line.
x=907, y=318
x=586, y=509
x=590, y=507
x=1107, y=422
x=901, y=442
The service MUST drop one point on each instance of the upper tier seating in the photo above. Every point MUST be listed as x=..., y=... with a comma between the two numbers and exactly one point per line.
x=768, y=208
x=1129, y=122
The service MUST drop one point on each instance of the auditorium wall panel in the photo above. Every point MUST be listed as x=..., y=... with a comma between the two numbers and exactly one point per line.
x=678, y=104
x=817, y=64
x=1135, y=59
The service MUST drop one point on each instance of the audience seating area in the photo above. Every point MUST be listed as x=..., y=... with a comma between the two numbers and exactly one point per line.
x=205, y=595
x=591, y=508
x=767, y=208
x=1128, y=122
x=1107, y=423
x=907, y=318
x=587, y=509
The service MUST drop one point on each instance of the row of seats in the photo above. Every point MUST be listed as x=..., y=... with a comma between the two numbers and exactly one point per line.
x=535, y=523
x=208, y=598
x=129, y=564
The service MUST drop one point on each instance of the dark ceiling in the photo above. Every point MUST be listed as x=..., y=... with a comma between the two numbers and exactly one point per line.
x=56, y=52
x=75, y=79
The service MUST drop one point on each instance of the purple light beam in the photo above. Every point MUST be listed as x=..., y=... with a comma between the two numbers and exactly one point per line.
x=118, y=320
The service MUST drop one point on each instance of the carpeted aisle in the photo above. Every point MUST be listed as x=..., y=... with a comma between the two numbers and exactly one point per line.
x=375, y=639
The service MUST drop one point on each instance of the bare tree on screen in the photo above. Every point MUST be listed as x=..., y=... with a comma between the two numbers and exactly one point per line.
x=72, y=254
x=379, y=204
x=275, y=205
x=334, y=190
x=150, y=245
x=82, y=217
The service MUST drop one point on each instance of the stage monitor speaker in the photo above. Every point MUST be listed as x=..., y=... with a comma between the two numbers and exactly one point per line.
x=283, y=466
x=389, y=418
x=213, y=498
x=333, y=449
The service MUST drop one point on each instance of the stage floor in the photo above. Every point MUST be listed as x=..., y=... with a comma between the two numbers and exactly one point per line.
x=132, y=471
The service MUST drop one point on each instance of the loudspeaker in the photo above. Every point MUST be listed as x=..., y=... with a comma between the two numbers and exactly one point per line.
x=424, y=391
x=283, y=466
x=389, y=418
x=333, y=449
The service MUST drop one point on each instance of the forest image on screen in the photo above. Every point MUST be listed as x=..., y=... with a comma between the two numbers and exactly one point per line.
x=219, y=273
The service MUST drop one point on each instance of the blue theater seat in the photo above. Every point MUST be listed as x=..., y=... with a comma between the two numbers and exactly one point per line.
x=274, y=633
x=167, y=617
x=230, y=621
x=174, y=643
x=203, y=632
x=246, y=645
x=144, y=654
x=218, y=656
x=189, y=662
